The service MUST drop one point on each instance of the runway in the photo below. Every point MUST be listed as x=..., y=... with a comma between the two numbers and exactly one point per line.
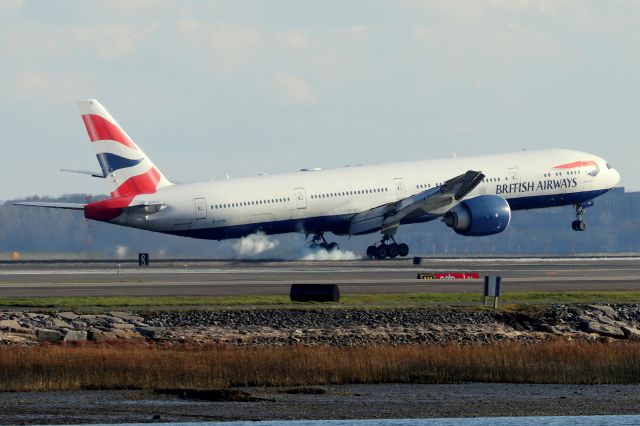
x=234, y=278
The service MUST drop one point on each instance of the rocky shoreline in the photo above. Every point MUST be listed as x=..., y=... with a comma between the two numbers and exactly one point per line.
x=340, y=327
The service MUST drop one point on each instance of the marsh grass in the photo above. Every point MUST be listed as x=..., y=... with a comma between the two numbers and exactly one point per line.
x=137, y=366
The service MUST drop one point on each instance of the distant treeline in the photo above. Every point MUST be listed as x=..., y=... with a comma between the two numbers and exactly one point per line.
x=612, y=227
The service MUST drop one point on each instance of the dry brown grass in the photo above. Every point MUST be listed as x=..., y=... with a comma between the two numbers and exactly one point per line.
x=149, y=367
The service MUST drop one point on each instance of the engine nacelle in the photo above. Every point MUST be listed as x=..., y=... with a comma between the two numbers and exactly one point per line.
x=478, y=216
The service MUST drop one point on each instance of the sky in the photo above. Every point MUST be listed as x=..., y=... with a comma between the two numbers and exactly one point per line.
x=238, y=88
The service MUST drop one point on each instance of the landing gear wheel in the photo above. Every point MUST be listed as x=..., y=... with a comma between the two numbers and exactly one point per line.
x=579, y=224
x=403, y=249
x=318, y=242
x=371, y=252
x=393, y=251
x=382, y=251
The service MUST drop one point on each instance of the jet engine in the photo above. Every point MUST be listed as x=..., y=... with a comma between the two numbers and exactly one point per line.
x=478, y=216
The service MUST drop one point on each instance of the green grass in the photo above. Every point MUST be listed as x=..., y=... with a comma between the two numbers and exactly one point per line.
x=347, y=301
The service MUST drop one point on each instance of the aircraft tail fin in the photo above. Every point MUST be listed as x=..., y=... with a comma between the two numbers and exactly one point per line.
x=127, y=170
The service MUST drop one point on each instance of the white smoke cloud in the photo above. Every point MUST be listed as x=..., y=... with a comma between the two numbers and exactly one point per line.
x=254, y=245
x=121, y=252
x=261, y=246
x=321, y=254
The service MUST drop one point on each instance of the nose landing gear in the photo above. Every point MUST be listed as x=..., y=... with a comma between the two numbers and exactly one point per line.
x=579, y=224
x=384, y=249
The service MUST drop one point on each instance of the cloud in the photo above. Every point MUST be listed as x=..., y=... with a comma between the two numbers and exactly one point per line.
x=295, y=90
x=53, y=87
x=538, y=6
x=234, y=46
x=420, y=32
x=358, y=30
x=7, y=5
x=136, y=7
x=292, y=40
x=108, y=43
x=105, y=42
x=189, y=25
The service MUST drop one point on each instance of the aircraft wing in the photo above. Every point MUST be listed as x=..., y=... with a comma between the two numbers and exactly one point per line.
x=66, y=206
x=435, y=201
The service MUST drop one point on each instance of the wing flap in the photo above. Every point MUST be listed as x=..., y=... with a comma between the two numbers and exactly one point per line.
x=435, y=201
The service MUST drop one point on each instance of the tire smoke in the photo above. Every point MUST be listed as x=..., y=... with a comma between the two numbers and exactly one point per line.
x=261, y=246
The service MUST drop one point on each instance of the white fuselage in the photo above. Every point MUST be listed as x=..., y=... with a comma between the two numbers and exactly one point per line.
x=324, y=200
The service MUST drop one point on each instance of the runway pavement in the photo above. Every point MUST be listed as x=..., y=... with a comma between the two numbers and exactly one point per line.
x=218, y=278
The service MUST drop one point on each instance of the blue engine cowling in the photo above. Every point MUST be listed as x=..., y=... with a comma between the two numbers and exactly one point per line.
x=478, y=216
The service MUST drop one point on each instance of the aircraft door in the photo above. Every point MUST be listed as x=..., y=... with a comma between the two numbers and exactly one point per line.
x=400, y=189
x=200, y=208
x=301, y=198
x=514, y=175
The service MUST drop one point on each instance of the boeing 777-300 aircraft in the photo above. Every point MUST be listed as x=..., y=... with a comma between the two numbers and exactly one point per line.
x=472, y=195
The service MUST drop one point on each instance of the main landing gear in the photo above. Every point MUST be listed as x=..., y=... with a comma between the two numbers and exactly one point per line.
x=579, y=224
x=318, y=242
x=384, y=248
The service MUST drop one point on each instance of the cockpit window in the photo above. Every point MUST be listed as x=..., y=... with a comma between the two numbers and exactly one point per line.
x=609, y=166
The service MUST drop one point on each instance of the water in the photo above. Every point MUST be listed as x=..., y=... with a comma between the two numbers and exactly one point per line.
x=477, y=421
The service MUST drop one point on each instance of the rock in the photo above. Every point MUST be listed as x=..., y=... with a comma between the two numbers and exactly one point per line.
x=604, y=329
x=88, y=317
x=630, y=333
x=58, y=323
x=100, y=336
x=127, y=334
x=605, y=319
x=9, y=324
x=123, y=326
x=16, y=338
x=153, y=333
x=585, y=319
x=126, y=316
x=606, y=310
x=69, y=316
x=75, y=335
x=47, y=335
x=14, y=326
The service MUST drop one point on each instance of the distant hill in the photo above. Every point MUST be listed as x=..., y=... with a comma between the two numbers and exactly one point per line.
x=612, y=227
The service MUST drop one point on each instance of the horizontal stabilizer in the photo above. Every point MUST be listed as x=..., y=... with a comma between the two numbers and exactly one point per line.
x=66, y=206
x=85, y=172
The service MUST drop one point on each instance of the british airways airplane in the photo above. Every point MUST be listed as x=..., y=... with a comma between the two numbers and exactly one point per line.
x=473, y=195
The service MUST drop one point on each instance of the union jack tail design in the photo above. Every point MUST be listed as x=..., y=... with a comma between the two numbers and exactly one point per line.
x=127, y=170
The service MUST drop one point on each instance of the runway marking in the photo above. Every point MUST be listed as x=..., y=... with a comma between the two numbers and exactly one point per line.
x=413, y=282
x=18, y=272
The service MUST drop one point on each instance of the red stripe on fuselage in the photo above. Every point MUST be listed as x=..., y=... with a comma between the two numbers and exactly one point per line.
x=577, y=164
x=145, y=183
x=100, y=129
